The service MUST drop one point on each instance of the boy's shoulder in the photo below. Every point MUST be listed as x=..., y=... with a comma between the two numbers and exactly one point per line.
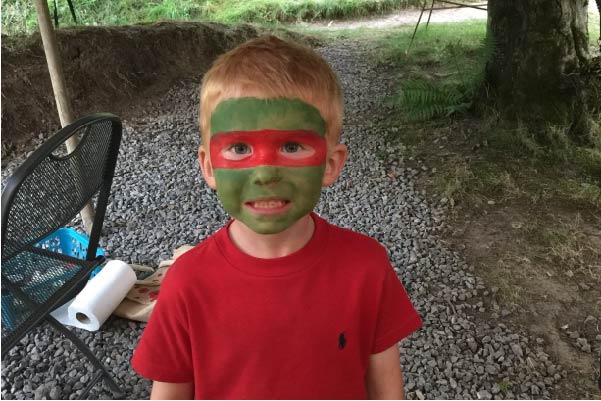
x=363, y=255
x=194, y=261
x=352, y=243
x=354, y=237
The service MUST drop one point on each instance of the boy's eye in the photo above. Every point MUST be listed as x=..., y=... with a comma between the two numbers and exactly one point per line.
x=240, y=148
x=295, y=150
x=237, y=151
x=291, y=147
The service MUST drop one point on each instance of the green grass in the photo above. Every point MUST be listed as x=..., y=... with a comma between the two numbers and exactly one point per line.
x=503, y=165
x=593, y=30
x=301, y=10
x=429, y=43
x=538, y=182
x=444, y=67
x=495, y=164
x=18, y=16
x=326, y=34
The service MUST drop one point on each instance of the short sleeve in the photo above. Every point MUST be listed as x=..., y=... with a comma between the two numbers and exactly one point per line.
x=397, y=318
x=164, y=352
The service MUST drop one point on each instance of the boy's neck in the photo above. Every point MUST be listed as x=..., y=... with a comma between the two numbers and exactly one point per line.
x=269, y=246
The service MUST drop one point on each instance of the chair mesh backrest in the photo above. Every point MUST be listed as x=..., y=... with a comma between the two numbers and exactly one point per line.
x=57, y=188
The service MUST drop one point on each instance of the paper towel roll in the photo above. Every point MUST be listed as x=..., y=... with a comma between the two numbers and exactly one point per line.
x=99, y=298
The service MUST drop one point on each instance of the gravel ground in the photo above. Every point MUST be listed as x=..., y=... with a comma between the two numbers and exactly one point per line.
x=159, y=202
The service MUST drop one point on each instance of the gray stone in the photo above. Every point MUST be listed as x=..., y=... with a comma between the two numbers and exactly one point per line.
x=491, y=369
x=55, y=393
x=583, y=344
x=517, y=350
x=534, y=389
x=41, y=392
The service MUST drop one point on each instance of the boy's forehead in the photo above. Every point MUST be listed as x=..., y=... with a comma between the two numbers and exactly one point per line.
x=253, y=114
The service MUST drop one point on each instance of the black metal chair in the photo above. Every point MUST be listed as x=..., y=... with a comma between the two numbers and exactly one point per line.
x=42, y=195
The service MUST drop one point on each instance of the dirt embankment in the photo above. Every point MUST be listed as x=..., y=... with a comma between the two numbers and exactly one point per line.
x=106, y=68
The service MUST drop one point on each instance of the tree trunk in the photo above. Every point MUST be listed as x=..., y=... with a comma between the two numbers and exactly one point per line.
x=541, y=47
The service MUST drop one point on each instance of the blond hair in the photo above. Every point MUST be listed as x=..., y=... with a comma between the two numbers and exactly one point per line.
x=268, y=67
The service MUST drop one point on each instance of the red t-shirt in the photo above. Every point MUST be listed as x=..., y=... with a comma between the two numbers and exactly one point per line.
x=297, y=327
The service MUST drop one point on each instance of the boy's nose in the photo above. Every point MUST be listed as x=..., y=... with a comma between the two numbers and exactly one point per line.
x=265, y=175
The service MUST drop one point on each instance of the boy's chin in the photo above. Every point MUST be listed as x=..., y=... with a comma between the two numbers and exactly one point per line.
x=268, y=226
x=270, y=231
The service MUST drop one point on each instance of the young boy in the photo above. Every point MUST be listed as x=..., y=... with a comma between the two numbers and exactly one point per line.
x=278, y=304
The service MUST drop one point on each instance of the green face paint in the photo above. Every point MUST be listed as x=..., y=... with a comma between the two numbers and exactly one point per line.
x=252, y=114
x=246, y=195
x=271, y=194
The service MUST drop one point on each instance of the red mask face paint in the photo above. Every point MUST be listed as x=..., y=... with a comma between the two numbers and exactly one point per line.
x=247, y=149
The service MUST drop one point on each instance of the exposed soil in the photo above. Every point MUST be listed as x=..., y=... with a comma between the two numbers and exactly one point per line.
x=108, y=69
x=105, y=69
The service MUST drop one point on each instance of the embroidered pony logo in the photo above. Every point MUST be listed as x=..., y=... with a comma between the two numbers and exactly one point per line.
x=341, y=341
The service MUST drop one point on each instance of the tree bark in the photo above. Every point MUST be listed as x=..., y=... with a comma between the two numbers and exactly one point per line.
x=541, y=46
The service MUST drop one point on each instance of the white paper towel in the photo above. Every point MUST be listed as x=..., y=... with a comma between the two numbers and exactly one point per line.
x=99, y=298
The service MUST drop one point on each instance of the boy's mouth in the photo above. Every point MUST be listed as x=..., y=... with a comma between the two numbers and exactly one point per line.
x=268, y=205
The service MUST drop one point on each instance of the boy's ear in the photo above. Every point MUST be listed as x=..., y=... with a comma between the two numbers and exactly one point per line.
x=334, y=163
x=205, y=166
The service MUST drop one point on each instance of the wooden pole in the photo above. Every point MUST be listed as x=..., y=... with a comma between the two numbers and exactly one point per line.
x=60, y=89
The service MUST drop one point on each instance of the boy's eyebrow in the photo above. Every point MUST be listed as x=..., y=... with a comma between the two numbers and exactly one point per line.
x=251, y=114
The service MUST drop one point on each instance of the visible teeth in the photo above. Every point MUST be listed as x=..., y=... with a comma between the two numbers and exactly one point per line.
x=268, y=204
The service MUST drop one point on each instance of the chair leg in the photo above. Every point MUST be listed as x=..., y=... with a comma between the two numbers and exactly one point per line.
x=430, y=15
x=92, y=358
x=91, y=384
x=417, y=25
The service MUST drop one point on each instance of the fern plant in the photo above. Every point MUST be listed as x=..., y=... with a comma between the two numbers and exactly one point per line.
x=424, y=99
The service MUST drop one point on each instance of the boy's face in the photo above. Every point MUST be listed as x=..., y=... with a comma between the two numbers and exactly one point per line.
x=268, y=159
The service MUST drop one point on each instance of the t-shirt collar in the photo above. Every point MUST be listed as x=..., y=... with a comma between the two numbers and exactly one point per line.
x=304, y=258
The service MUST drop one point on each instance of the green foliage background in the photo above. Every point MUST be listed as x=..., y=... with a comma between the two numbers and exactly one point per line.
x=439, y=80
x=445, y=68
x=18, y=16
